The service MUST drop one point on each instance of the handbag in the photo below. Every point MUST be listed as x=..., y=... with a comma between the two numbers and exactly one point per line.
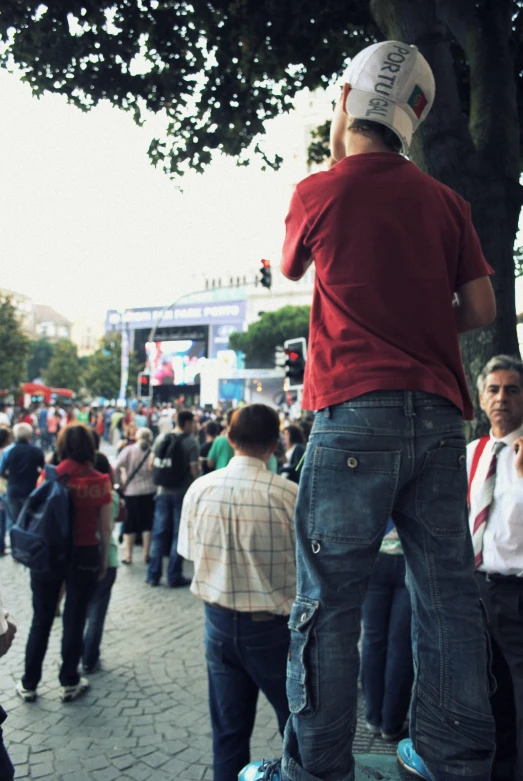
x=122, y=512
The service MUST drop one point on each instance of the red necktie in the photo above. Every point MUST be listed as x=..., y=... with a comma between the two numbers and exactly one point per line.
x=485, y=502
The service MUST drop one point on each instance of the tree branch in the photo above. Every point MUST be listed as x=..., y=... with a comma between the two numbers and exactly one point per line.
x=485, y=37
x=446, y=130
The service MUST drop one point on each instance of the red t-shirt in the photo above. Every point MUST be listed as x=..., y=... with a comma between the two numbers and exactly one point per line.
x=91, y=490
x=391, y=245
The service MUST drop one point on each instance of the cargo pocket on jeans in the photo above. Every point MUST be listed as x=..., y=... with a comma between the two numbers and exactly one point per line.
x=302, y=663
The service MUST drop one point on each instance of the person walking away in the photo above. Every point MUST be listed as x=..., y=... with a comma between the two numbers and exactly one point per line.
x=21, y=466
x=91, y=495
x=116, y=428
x=7, y=635
x=211, y=432
x=237, y=527
x=43, y=414
x=173, y=481
x=391, y=247
x=386, y=653
x=165, y=420
x=495, y=468
x=135, y=477
x=53, y=426
x=99, y=602
x=294, y=439
x=221, y=450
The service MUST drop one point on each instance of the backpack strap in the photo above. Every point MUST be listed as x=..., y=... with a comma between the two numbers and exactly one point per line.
x=480, y=447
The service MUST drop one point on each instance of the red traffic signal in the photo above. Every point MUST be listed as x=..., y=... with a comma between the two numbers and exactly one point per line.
x=296, y=352
x=266, y=274
x=144, y=385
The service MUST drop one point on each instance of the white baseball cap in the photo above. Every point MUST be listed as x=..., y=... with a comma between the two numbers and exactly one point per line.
x=391, y=83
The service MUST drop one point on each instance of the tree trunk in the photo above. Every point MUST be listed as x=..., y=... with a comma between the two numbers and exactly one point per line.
x=478, y=157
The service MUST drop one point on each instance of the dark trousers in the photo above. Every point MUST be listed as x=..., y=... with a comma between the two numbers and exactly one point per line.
x=386, y=658
x=96, y=613
x=166, y=524
x=503, y=600
x=80, y=583
x=7, y=771
x=243, y=656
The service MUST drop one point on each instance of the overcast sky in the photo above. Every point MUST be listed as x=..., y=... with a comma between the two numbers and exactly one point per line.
x=88, y=224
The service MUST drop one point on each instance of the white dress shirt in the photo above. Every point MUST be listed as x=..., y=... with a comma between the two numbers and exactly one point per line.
x=503, y=537
x=237, y=526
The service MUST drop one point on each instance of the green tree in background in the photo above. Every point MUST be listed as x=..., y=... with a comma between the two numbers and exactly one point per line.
x=14, y=347
x=40, y=353
x=270, y=331
x=102, y=375
x=63, y=370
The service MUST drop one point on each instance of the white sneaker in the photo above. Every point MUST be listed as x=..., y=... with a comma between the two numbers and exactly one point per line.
x=68, y=693
x=28, y=695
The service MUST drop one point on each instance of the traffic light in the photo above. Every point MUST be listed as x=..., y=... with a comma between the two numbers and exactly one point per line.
x=296, y=352
x=144, y=385
x=266, y=274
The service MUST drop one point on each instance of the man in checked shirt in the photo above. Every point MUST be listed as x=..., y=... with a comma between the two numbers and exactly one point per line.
x=237, y=527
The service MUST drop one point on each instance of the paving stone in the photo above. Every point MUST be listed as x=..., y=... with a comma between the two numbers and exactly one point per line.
x=42, y=770
x=96, y=763
x=146, y=716
x=139, y=772
x=108, y=774
x=156, y=759
x=123, y=762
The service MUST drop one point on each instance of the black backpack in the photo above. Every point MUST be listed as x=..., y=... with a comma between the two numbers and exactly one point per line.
x=42, y=537
x=170, y=467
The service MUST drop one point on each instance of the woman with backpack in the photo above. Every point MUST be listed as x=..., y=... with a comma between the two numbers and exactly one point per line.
x=91, y=498
x=132, y=472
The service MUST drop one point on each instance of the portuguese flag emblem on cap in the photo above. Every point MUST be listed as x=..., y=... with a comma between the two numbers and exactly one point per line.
x=417, y=101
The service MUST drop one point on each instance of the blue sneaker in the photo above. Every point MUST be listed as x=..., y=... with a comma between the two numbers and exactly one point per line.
x=411, y=761
x=266, y=770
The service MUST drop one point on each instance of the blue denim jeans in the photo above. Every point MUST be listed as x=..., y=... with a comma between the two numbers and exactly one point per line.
x=398, y=454
x=166, y=524
x=13, y=506
x=386, y=651
x=96, y=613
x=244, y=656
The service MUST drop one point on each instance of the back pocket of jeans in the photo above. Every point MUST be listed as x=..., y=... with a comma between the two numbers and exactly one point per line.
x=441, y=490
x=302, y=663
x=352, y=494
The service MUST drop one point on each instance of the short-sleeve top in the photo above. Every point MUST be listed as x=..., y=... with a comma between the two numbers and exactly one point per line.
x=391, y=246
x=91, y=490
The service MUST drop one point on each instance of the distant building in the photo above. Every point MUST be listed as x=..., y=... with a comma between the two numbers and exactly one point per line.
x=50, y=324
x=86, y=333
x=24, y=308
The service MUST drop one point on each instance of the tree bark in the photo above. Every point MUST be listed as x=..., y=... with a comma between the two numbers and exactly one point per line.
x=478, y=156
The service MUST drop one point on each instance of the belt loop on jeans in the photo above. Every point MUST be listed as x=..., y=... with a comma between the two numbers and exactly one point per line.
x=327, y=412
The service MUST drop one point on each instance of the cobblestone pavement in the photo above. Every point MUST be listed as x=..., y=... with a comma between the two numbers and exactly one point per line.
x=145, y=716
